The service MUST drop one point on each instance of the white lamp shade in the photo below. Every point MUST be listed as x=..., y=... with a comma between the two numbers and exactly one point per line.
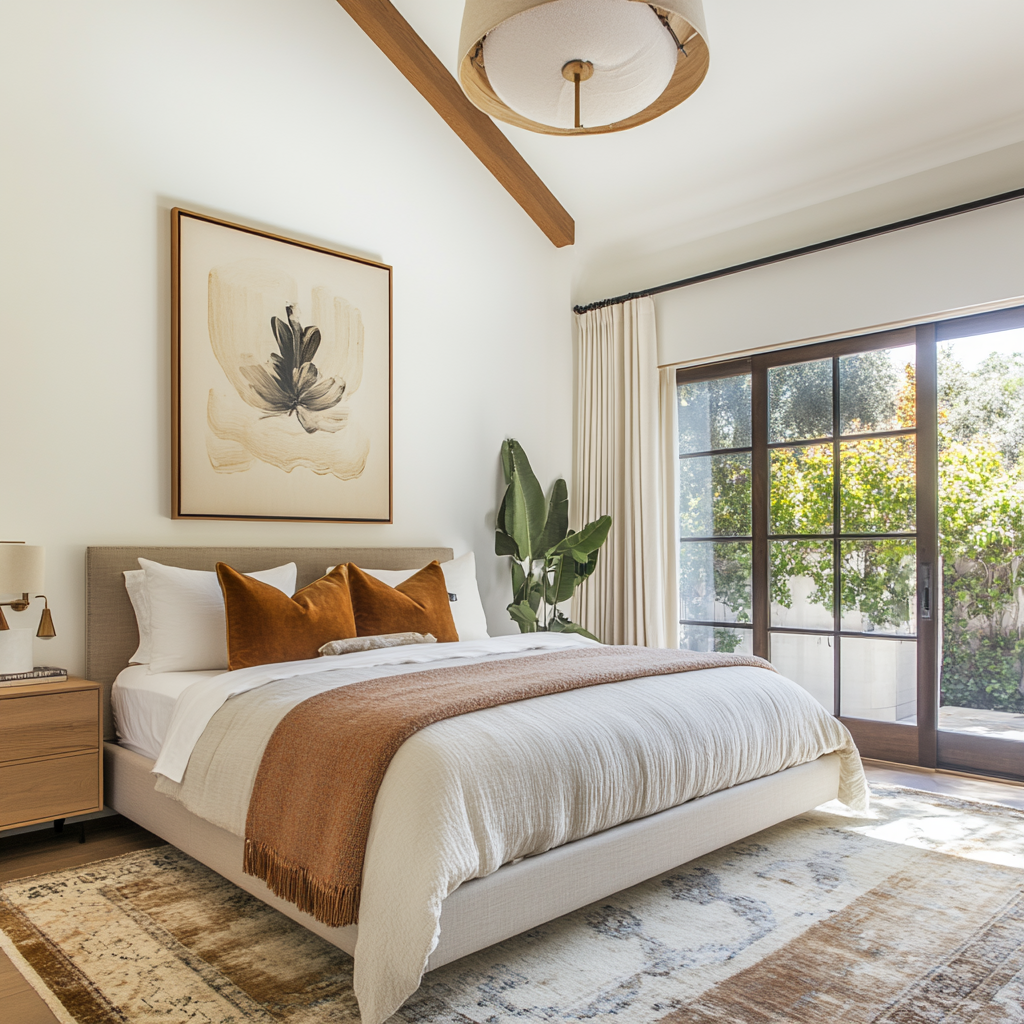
x=633, y=54
x=512, y=53
x=22, y=568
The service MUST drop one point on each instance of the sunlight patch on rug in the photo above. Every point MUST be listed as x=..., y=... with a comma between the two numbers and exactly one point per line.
x=912, y=914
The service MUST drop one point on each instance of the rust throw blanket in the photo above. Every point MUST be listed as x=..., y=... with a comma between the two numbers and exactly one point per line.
x=311, y=805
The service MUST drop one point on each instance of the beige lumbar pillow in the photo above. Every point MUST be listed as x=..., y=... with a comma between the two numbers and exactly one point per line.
x=374, y=643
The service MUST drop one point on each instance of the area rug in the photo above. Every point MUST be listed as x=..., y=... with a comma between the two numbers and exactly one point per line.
x=912, y=915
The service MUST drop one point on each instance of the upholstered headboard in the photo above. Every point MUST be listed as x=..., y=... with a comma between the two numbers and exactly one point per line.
x=111, y=635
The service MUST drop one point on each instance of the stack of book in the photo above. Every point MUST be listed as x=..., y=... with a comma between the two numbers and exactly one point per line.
x=42, y=674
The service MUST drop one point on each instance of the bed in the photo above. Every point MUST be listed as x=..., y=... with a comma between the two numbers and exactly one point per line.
x=514, y=897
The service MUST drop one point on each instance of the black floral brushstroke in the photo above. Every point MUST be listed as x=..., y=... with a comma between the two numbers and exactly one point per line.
x=295, y=384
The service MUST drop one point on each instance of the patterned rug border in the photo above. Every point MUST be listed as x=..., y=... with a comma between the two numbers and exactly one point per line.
x=81, y=867
x=28, y=972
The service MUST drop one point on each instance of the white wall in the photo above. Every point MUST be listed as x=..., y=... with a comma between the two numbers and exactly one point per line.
x=281, y=115
x=958, y=263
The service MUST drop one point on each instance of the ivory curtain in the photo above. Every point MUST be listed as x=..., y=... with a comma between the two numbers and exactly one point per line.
x=627, y=466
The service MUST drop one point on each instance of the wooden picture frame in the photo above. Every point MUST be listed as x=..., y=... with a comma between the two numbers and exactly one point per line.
x=281, y=378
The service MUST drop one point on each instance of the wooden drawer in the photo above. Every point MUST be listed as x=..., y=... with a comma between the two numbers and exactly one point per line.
x=40, y=790
x=47, y=724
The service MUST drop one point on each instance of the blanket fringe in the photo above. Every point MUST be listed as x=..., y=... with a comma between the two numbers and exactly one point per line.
x=333, y=905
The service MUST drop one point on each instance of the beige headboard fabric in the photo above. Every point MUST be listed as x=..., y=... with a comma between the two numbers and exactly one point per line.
x=111, y=635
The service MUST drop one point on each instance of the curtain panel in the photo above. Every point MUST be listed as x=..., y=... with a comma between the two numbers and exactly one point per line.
x=626, y=466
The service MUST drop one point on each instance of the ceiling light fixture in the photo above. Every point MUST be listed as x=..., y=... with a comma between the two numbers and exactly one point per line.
x=581, y=67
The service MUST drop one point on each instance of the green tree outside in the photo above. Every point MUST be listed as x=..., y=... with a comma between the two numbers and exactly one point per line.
x=981, y=479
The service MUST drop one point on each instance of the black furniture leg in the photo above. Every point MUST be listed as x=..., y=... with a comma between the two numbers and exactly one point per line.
x=81, y=832
x=58, y=825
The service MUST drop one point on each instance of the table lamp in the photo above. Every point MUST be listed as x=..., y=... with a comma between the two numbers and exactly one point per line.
x=21, y=572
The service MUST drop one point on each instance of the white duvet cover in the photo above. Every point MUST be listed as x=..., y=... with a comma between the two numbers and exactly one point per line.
x=466, y=795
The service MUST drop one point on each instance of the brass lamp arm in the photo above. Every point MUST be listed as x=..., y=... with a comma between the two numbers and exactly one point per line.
x=46, y=630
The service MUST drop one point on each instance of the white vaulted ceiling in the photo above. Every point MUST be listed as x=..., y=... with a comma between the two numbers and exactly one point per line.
x=805, y=101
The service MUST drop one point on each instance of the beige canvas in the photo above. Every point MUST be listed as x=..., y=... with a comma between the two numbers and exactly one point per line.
x=283, y=378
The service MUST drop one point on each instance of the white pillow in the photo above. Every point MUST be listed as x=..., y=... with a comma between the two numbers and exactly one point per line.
x=460, y=579
x=135, y=584
x=186, y=609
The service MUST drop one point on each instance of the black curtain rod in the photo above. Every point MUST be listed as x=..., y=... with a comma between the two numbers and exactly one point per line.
x=924, y=218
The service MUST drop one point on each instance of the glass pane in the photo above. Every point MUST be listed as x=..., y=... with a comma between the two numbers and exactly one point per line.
x=809, y=661
x=876, y=390
x=714, y=414
x=714, y=496
x=877, y=483
x=800, y=401
x=981, y=534
x=801, y=588
x=801, y=489
x=716, y=638
x=879, y=586
x=878, y=679
x=982, y=650
x=714, y=581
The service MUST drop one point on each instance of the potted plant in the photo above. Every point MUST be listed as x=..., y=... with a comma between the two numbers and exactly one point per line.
x=549, y=561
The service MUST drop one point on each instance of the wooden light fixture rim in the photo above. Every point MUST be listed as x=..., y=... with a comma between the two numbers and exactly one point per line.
x=690, y=71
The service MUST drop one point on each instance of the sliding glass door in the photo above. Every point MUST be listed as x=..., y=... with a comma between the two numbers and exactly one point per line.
x=981, y=541
x=812, y=484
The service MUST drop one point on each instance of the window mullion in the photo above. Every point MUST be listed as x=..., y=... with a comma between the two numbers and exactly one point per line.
x=760, y=592
x=837, y=548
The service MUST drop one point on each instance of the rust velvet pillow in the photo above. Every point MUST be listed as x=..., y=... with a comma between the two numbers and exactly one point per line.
x=264, y=625
x=419, y=605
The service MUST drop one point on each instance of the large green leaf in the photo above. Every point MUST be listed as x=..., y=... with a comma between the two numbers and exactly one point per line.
x=581, y=545
x=518, y=583
x=563, y=582
x=558, y=517
x=524, y=507
x=506, y=461
x=586, y=569
x=560, y=624
x=499, y=519
x=503, y=543
x=525, y=616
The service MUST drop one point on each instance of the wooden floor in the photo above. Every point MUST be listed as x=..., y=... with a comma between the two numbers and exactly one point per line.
x=37, y=853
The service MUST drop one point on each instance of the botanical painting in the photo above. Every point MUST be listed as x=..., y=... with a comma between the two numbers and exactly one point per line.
x=282, y=377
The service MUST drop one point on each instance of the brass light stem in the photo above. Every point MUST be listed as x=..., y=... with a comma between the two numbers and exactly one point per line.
x=577, y=71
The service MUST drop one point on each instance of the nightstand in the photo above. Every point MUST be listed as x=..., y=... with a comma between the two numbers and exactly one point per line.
x=51, y=763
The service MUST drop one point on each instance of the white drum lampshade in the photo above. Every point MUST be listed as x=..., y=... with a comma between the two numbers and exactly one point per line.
x=22, y=569
x=577, y=67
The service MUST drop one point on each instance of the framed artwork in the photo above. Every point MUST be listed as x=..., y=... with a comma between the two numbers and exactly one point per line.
x=281, y=377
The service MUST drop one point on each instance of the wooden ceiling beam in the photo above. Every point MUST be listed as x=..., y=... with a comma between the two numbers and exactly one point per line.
x=382, y=22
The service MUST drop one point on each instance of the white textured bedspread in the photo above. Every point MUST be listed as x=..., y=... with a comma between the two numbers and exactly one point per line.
x=468, y=794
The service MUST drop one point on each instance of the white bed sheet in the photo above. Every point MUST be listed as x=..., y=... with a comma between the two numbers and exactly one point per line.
x=144, y=702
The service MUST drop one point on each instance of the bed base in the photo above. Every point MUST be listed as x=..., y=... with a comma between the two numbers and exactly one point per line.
x=518, y=896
